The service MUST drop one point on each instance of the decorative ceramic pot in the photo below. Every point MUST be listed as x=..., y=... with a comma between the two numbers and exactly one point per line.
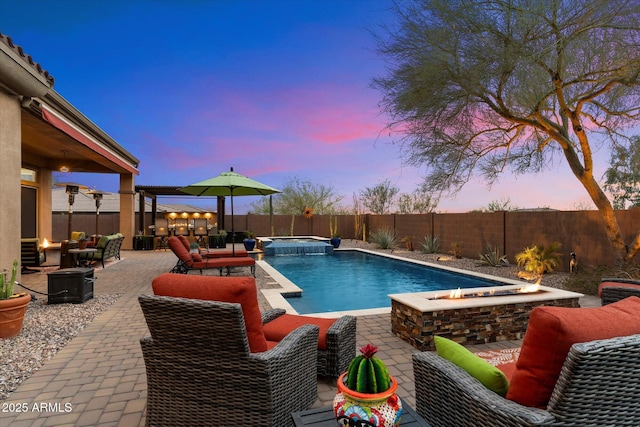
x=82, y=244
x=335, y=242
x=352, y=408
x=249, y=244
x=12, y=312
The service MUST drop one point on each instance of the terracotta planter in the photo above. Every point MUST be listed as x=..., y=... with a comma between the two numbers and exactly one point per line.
x=12, y=312
x=82, y=244
x=363, y=409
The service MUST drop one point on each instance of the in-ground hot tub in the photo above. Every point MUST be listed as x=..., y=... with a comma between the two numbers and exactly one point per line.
x=296, y=245
x=417, y=317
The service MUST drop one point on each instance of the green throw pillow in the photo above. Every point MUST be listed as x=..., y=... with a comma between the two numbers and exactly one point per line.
x=490, y=376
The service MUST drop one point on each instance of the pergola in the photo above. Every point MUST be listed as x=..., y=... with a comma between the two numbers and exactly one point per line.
x=154, y=191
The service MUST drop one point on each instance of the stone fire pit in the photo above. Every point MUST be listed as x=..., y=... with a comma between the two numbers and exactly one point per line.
x=417, y=317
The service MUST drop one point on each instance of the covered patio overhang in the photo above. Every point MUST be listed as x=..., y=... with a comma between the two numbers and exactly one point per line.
x=42, y=132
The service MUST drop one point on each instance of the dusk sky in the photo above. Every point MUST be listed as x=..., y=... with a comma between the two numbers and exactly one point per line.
x=276, y=89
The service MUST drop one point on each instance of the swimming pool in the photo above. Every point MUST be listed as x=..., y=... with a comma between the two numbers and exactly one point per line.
x=355, y=280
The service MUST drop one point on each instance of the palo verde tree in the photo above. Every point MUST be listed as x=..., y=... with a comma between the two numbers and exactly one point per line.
x=622, y=178
x=421, y=201
x=379, y=198
x=480, y=87
x=296, y=195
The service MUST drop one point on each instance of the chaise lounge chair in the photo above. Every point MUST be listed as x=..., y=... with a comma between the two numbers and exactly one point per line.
x=188, y=261
x=215, y=253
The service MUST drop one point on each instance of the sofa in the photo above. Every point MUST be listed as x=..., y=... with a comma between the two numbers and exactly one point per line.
x=107, y=247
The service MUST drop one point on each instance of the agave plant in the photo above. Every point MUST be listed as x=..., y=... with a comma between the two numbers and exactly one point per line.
x=385, y=238
x=6, y=285
x=431, y=245
x=367, y=373
x=493, y=258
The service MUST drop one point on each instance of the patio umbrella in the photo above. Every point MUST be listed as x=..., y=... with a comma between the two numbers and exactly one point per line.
x=229, y=184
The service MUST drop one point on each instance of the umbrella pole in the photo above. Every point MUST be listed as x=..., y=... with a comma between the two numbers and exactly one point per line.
x=233, y=230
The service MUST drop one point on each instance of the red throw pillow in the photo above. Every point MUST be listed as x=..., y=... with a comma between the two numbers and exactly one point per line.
x=241, y=290
x=551, y=333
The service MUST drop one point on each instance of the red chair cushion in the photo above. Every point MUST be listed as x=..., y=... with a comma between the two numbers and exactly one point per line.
x=280, y=327
x=241, y=290
x=230, y=262
x=550, y=334
x=616, y=285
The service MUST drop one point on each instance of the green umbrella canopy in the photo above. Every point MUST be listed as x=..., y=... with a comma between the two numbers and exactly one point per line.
x=229, y=184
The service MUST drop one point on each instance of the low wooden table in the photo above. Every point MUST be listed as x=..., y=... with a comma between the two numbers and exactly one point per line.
x=323, y=417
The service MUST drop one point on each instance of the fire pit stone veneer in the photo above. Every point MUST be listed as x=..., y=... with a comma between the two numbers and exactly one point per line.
x=417, y=317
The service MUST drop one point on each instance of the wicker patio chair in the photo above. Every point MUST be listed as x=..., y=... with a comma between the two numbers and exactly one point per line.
x=340, y=341
x=598, y=386
x=200, y=371
x=614, y=289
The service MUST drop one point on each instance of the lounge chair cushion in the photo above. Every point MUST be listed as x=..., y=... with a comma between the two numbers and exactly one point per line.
x=490, y=376
x=281, y=326
x=240, y=290
x=616, y=285
x=102, y=243
x=551, y=333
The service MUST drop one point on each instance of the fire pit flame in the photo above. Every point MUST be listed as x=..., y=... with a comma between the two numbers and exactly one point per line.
x=457, y=293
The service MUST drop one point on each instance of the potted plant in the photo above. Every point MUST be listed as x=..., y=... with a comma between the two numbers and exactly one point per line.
x=194, y=248
x=82, y=242
x=12, y=306
x=367, y=393
x=249, y=241
x=333, y=231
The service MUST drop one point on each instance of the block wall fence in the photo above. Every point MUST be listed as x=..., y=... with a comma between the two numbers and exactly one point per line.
x=581, y=232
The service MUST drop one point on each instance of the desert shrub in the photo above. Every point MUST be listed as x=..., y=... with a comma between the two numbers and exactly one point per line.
x=539, y=259
x=385, y=238
x=456, y=250
x=430, y=245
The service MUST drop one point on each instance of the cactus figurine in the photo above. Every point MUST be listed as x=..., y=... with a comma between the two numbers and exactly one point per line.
x=366, y=393
x=367, y=373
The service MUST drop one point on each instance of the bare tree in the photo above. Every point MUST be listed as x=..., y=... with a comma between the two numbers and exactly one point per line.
x=480, y=87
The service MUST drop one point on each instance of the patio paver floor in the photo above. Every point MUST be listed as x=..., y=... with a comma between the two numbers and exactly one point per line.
x=101, y=373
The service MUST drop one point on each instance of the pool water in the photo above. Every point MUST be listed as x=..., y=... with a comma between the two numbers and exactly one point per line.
x=355, y=280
